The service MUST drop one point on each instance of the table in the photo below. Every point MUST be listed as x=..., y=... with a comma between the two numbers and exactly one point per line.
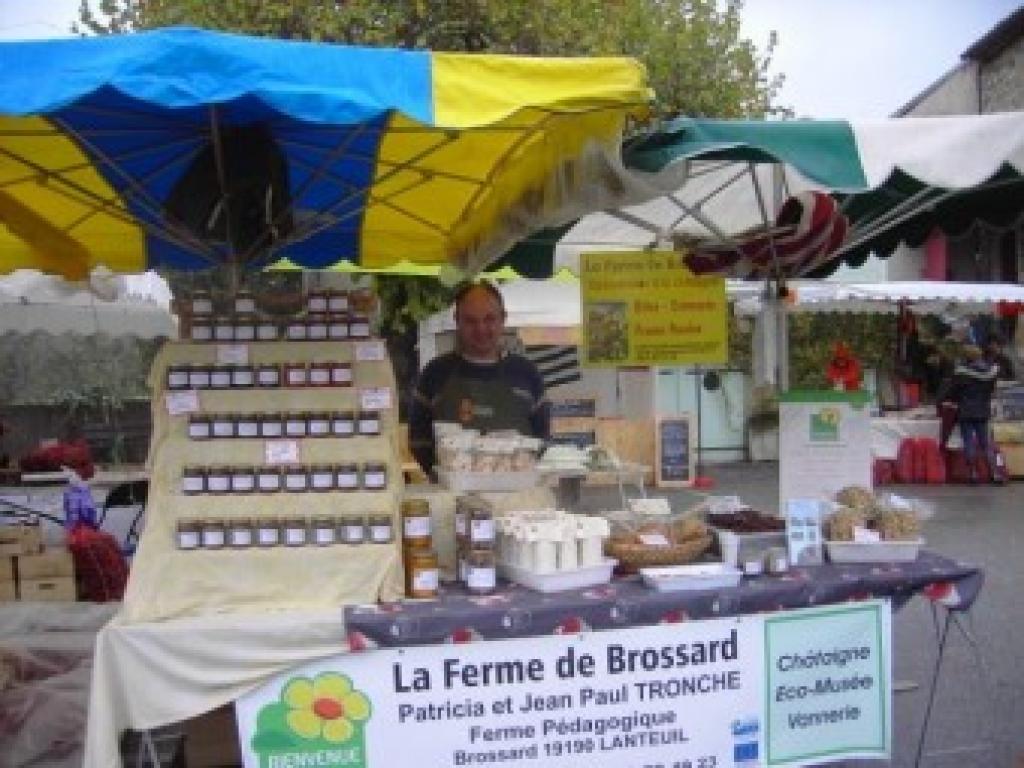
x=887, y=432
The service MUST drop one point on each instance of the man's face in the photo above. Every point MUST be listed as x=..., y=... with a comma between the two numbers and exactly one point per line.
x=479, y=324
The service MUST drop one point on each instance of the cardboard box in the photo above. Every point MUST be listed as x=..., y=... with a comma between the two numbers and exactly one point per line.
x=57, y=589
x=45, y=565
x=6, y=569
x=211, y=740
x=8, y=592
x=18, y=539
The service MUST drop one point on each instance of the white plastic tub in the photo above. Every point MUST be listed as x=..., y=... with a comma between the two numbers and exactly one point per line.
x=559, y=581
x=466, y=482
x=697, y=576
x=873, y=551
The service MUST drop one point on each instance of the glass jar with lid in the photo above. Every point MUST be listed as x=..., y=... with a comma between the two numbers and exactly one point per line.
x=319, y=374
x=316, y=300
x=268, y=531
x=481, y=571
x=416, y=529
x=271, y=424
x=268, y=479
x=222, y=425
x=481, y=528
x=295, y=531
x=218, y=479
x=245, y=327
x=347, y=477
x=337, y=327
x=267, y=330
x=199, y=426
x=220, y=377
x=202, y=329
x=240, y=533
x=325, y=530
x=341, y=374
x=243, y=376
x=199, y=377
x=358, y=327
x=353, y=529
x=319, y=424
x=343, y=424
x=193, y=480
x=369, y=423
x=422, y=575
x=177, y=377
x=296, y=424
x=268, y=375
x=296, y=375
x=316, y=326
x=243, y=479
x=296, y=478
x=321, y=477
x=337, y=301
x=224, y=328
x=245, y=303
x=375, y=476
x=381, y=529
x=213, y=534
x=296, y=329
x=247, y=425
x=188, y=533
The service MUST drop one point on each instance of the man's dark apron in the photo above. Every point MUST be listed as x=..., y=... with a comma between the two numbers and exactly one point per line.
x=486, y=405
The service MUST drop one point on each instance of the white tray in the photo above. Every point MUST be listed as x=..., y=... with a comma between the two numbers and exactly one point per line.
x=559, y=581
x=677, y=578
x=466, y=482
x=873, y=551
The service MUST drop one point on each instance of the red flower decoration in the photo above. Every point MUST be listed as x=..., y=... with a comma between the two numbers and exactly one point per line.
x=571, y=626
x=357, y=641
x=675, y=617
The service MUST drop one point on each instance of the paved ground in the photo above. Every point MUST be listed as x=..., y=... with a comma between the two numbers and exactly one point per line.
x=973, y=723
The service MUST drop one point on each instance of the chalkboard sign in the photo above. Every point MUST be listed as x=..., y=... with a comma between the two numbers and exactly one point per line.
x=673, y=452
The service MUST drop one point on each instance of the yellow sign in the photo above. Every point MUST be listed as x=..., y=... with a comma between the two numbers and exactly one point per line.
x=647, y=308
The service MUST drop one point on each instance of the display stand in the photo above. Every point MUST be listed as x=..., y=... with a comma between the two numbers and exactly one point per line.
x=167, y=581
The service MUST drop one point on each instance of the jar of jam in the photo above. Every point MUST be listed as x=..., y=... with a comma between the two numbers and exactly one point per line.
x=316, y=301
x=245, y=327
x=271, y=424
x=353, y=529
x=341, y=374
x=416, y=533
x=268, y=375
x=243, y=479
x=319, y=374
x=316, y=326
x=481, y=571
x=346, y=477
x=245, y=303
x=381, y=530
x=337, y=301
x=296, y=375
x=240, y=533
x=199, y=427
x=337, y=327
x=188, y=534
x=177, y=377
x=343, y=424
x=224, y=328
x=202, y=329
x=213, y=534
x=296, y=479
x=243, y=376
x=218, y=480
x=193, y=481
x=199, y=377
x=296, y=425
x=375, y=476
x=422, y=575
x=296, y=531
x=296, y=330
x=325, y=530
x=268, y=532
x=268, y=479
x=319, y=425
x=369, y=423
x=321, y=477
x=222, y=425
x=267, y=330
x=220, y=377
x=202, y=303
x=247, y=425
x=481, y=528
x=358, y=327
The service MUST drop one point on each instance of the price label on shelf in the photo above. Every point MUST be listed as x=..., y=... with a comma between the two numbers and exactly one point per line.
x=375, y=398
x=233, y=354
x=180, y=403
x=369, y=351
x=282, y=451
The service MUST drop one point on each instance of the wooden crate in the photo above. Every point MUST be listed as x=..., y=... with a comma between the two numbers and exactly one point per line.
x=8, y=592
x=20, y=539
x=6, y=569
x=1014, y=455
x=46, y=565
x=56, y=589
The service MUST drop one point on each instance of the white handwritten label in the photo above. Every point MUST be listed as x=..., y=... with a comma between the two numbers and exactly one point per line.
x=180, y=403
x=369, y=351
x=282, y=451
x=375, y=398
x=866, y=535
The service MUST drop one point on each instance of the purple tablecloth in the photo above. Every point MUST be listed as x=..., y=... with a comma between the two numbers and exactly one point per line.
x=515, y=611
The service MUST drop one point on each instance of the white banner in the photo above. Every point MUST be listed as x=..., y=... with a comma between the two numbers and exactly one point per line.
x=784, y=689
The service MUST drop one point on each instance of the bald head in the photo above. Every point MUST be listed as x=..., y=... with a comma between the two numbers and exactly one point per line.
x=479, y=321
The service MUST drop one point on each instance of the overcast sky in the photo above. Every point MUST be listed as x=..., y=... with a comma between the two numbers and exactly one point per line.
x=842, y=58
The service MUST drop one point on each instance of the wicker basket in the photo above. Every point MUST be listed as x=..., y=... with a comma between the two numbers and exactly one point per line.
x=634, y=556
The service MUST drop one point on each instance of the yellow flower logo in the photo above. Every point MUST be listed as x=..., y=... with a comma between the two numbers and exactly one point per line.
x=830, y=416
x=324, y=707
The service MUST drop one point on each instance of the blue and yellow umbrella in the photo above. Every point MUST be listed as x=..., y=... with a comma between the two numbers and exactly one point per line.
x=183, y=149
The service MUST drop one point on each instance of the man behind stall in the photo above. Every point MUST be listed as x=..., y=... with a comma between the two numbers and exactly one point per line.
x=478, y=385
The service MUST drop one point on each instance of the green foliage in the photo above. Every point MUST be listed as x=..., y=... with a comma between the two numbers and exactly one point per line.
x=406, y=300
x=812, y=338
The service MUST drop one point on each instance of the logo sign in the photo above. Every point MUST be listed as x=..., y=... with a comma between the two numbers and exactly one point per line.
x=825, y=425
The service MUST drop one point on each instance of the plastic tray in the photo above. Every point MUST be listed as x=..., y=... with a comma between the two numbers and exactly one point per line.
x=678, y=578
x=466, y=482
x=559, y=581
x=873, y=551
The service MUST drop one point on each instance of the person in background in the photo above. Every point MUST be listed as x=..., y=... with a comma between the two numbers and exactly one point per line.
x=974, y=380
x=843, y=371
x=994, y=353
x=478, y=385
